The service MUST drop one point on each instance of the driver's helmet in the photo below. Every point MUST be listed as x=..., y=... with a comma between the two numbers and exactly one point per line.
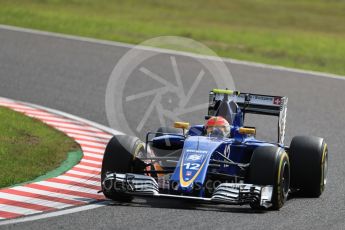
x=217, y=126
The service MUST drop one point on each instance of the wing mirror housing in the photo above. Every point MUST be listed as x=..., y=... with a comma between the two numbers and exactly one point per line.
x=248, y=131
x=181, y=125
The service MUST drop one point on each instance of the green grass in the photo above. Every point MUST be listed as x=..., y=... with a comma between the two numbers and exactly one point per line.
x=308, y=34
x=29, y=148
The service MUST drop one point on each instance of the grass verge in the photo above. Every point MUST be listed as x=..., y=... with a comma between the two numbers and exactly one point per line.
x=29, y=148
x=307, y=34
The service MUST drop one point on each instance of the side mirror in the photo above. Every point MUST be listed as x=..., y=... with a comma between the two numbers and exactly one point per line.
x=181, y=125
x=249, y=131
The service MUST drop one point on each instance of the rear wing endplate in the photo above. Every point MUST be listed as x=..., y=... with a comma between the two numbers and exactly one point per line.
x=253, y=103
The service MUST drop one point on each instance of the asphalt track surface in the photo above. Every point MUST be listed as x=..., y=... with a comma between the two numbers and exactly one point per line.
x=72, y=75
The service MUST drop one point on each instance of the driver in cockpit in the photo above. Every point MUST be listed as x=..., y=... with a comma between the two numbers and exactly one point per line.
x=217, y=127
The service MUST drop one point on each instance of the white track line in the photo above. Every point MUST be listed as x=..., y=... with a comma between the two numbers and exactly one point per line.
x=31, y=113
x=161, y=50
x=18, y=210
x=17, y=106
x=53, y=118
x=5, y=100
x=105, y=129
x=54, y=214
x=43, y=118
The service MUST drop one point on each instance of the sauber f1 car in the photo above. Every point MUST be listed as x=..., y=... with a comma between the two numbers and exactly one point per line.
x=220, y=161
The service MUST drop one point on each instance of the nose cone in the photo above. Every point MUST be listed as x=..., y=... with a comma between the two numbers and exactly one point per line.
x=192, y=167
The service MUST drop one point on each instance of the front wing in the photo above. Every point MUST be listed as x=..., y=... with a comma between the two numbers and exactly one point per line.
x=227, y=193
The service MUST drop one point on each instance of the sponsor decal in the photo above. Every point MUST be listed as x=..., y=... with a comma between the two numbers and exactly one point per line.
x=194, y=157
x=236, y=186
x=196, y=151
x=277, y=101
x=192, y=166
x=227, y=151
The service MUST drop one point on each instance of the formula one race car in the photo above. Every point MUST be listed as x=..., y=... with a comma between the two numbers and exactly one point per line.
x=217, y=162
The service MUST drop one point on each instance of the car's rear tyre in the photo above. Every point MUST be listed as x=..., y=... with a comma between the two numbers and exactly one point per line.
x=120, y=156
x=309, y=162
x=270, y=165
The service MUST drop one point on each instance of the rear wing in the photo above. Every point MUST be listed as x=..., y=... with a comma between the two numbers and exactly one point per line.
x=253, y=103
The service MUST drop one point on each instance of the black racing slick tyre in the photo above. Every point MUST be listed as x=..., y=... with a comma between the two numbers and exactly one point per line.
x=270, y=165
x=309, y=161
x=120, y=156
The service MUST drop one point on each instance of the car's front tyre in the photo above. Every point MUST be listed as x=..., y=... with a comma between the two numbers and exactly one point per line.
x=270, y=165
x=120, y=156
